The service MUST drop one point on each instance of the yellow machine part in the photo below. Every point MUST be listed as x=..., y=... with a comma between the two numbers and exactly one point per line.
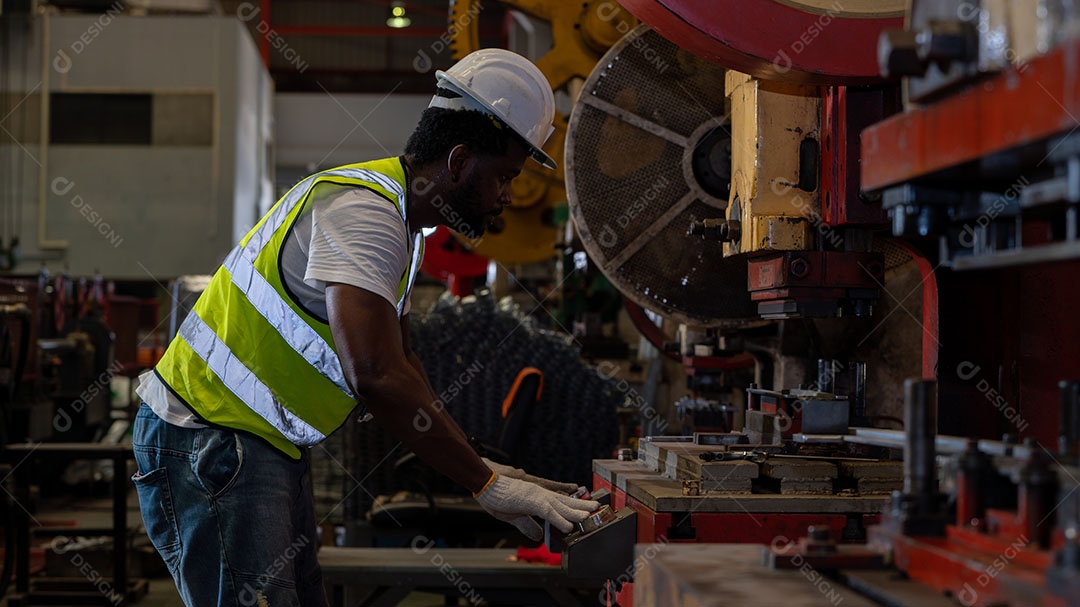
x=580, y=33
x=770, y=121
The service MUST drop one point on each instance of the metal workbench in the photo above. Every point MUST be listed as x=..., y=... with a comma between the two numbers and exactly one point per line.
x=380, y=577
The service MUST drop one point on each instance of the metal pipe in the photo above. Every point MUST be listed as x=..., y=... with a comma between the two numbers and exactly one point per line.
x=858, y=390
x=43, y=140
x=970, y=506
x=362, y=31
x=920, y=425
x=1069, y=433
x=1037, y=496
x=894, y=439
x=825, y=375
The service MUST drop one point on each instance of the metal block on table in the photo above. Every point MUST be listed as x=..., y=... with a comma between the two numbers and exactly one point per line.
x=798, y=469
x=728, y=487
x=871, y=477
x=650, y=449
x=717, y=476
x=610, y=469
x=800, y=476
x=825, y=416
x=603, y=551
x=673, y=454
x=872, y=469
x=762, y=428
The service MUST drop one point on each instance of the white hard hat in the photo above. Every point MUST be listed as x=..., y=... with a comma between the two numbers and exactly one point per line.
x=507, y=86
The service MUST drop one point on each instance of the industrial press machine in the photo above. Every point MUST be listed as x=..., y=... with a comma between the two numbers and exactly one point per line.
x=862, y=216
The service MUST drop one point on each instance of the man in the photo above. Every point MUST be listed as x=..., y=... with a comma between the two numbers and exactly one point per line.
x=306, y=318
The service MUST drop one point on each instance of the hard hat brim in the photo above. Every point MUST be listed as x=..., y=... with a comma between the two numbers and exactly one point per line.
x=542, y=157
x=534, y=152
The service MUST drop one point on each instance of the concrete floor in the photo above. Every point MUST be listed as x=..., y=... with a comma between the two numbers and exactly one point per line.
x=163, y=594
x=97, y=512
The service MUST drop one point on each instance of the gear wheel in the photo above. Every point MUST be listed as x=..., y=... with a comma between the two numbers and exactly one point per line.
x=581, y=33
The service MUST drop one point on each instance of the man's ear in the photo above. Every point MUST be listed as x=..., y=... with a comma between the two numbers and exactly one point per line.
x=458, y=160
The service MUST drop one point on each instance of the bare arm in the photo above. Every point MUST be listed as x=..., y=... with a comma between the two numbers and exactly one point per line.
x=419, y=366
x=390, y=381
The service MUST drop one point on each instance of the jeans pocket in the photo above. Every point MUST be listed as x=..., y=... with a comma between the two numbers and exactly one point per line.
x=159, y=517
x=218, y=456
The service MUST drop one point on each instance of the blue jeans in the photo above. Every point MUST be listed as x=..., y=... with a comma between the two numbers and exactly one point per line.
x=232, y=516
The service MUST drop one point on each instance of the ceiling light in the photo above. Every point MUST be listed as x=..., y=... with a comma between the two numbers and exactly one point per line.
x=398, y=19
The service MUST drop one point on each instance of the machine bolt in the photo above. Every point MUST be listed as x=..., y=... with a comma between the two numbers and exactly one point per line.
x=800, y=268
x=724, y=230
x=704, y=229
x=731, y=231
x=817, y=533
x=819, y=540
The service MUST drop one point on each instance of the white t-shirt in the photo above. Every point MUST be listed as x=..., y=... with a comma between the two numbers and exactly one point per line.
x=346, y=235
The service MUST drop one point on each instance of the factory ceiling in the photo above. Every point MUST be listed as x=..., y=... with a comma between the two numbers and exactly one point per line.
x=347, y=45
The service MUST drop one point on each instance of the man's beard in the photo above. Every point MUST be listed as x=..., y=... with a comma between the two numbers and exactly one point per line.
x=469, y=221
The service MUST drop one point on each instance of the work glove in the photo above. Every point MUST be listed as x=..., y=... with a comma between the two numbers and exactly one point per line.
x=521, y=475
x=515, y=501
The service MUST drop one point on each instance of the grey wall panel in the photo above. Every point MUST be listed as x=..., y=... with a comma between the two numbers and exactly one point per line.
x=165, y=210
x=122, y=214
x=148, y=53
x=319, y=130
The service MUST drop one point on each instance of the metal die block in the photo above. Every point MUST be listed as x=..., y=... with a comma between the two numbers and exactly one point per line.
x=602, y=553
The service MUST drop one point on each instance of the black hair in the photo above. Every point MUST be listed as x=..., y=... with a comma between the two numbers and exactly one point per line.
x=441, y=129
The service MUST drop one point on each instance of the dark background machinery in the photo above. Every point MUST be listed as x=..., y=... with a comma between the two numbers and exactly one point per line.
x=63, y=340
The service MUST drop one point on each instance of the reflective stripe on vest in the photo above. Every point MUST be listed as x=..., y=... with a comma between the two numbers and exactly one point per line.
x=243, y=383
x=295, y=331
x=414, y=267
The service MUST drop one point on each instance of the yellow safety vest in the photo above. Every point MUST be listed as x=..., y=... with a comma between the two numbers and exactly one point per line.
x=248, y=357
